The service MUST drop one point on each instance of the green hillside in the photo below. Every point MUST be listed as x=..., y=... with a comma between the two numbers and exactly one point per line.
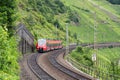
x=49, y=18
x=90, y=16
x=42, y=17
x=107, y=62
x=105, y=16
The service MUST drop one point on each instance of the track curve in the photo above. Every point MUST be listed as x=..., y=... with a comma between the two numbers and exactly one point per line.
x=37, y=70
x=41, y=74
x=71, y=73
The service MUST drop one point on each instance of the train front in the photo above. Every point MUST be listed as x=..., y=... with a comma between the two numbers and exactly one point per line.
x=41, y=45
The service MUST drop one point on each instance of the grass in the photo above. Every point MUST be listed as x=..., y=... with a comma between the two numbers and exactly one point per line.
x=107, y=30
x=113, y=8
x=33, y=19
x=107, y=59
x=111, y=54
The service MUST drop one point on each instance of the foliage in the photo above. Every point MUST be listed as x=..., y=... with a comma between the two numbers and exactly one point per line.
x=110, y=58
x=7, y=12
x=8, y=57
x=57, y=24
x=75, y=35
x=114, y=1
x=74, y=16
x=50, y=8
x=79, y=49
x=82, y=55
x=87, y=19
x=107, y=59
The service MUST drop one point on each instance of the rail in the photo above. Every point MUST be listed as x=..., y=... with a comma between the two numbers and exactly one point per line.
x=36, y=69
x=71, y=73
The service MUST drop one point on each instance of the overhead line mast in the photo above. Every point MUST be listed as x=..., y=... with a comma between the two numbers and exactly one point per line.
x=95, y=44
x=95, y=32
x=67, y=39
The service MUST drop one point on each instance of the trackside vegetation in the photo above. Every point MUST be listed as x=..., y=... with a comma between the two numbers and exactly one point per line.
x=9, y=68
x=114, y=1
x=82, y=55
x=107, y=59
x=8, y=15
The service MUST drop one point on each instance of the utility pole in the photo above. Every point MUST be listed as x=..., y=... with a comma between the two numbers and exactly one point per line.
x=95, y=31
x=95, y=45
x=67, y=39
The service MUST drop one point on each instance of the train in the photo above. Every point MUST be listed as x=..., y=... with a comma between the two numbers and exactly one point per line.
x=44, y=45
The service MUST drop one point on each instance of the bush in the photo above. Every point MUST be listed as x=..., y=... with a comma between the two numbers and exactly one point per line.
x=82, y=55
x=73, y=16
x=7, y=14
x=79, y=49
x=8, y=57
x=114, y=1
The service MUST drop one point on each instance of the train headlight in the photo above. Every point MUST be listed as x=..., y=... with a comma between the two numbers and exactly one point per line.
x=44, y=47
x=37, y=47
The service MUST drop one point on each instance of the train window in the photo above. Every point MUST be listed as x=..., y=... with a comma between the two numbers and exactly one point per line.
x=41, y=42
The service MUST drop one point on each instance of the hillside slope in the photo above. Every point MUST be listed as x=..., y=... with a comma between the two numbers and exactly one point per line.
x=45, y=19
x=106, y=18
x=42, y=18
x=107, y=25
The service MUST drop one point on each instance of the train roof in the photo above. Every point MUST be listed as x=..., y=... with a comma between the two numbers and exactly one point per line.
x=49, y=41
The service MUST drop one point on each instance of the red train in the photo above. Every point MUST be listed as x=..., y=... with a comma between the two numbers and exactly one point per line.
x=47, y=45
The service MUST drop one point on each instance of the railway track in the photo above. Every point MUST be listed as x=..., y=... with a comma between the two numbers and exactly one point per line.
x=37, y=70
x=62, y=68
x=42, y=75
x=103, y=45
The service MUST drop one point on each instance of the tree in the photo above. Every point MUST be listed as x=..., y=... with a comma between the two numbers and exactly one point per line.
x=7, y=11
x=75, y=35
x=114, y=1
x=56, y=23
x=9, y=68
x=73, y=16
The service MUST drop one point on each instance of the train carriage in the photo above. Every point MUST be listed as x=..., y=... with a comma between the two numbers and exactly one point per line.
x=47, y=45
